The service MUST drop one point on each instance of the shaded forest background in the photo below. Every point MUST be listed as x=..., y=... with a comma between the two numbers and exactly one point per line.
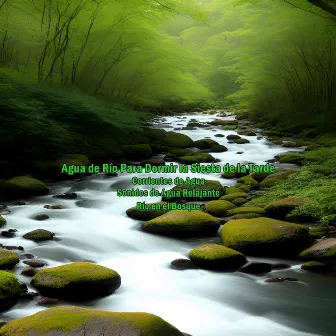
x=74, y=70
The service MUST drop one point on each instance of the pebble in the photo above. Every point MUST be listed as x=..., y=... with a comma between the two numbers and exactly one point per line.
x=29, y=271
x=42, y=217
x=27, y=256
x=7, y=234
x=34, y=263
x=46, y=301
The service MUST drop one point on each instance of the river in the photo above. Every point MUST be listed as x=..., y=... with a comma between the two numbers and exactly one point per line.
x=199, y=302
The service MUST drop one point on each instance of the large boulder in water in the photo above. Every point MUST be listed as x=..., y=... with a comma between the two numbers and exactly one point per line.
x=8, y=259
x=216, y=257
x=21, y=187
x=183, y=223
x=77, y=321
x=265, y=237
x=325, y=250
x=173, y=139
x=76, y=281
x=147, y=214
x=218, y=208
x=10, y=290
x=205, y=143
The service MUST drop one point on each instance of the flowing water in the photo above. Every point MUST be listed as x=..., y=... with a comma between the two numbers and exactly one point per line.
x=198, y=302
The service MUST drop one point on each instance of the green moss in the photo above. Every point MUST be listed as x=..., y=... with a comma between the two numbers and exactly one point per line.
x=259, y=177
x=232, y=190
x=292, y=158
x=265, y=237
x=233, y=137
x=234, y=174
x=8, y=259
x=281, y=208
x=247, y=209
x=315, y=266
x=173, y=139
x=249, y=181
x=275, y=178
x=67, y=318
x=205, y=143
x=243, y=187
x=325, y=250
x=218, y=208
x=246, y=132
x=232, y=196
x=214, y=256
x=239, y=201
x=328, y=140
x=39, y=235
x=183, y=223
x=218, y=149
x=180, y=152
x=247, y=215
x=228, y=127
x=146, y=214
x=2, y=221
x=139, y=151
x=197, y=158
x=22, y=186
x=9, y=286
x=220, y=122
x=241, y=141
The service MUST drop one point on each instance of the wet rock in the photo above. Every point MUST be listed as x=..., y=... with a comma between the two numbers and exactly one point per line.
x=35, y=263
x=316, y=266
x=45, y=301
x=325, y=250
x=28, y=295
x=27, y=256
x=255, y=267
x=239, y=152
x=68, y=196
x=260, y=137
x=3, y=207
x=12, y=230
x=7, y=234
x=39, y=235
x=182, y=263
x=291, y=279
x=29, y=271
x=24, y=287
x=280, y=266
x=8, y=259
x=19, y=203
x=8, y=247
x=42, y=217
x=274, y=279
x=219, y=135
x=111, y=174
x=55, y=207
x=10, y=290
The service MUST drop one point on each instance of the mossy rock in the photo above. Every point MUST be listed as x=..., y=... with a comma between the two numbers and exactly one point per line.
x=220, y=122
x=241, y=141
x=146, y=214
x=218, y=208
x=249, y=181
x=216, y=257
x=197, y=158
x=243, y=187
x=256, y=267
x=218, y=149
x=325, y=250
x=231, y=197
x=246, y=132
x=205, y=143
x=235, y=174
x=265, y=237
x=281, y=208
x=232, y=190
x=155, y=133
x=10, y=290
x=239, y=201
x=207, y=186
x=247, y=215
x=247, y=209
x=228, y=127
x=292, y=158
x=233, y=137
x=2, y=221
x=178, y=140
x=77, y=281
x=275, y=178
x=316, y=267
x=39, y=235
x=21, y=187
x=327, y=140
x=177, y=152
x=260, y=176
x=319, y=232
x=8, y=259
x=139, y=151
x=72, y=321
x=183, y=223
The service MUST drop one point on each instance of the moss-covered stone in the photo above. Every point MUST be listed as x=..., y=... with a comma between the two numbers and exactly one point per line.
x=260, y=176
x=177, y=152
x=232, y=190
x=256, y=267
x=265, y=237
x=2, y=221
x=319, y=232
x=293, y=158
x=197, y=158
x=231, y=197
x=21, y=187
x=218, y=208
x=146, y=214
x=316, y=266
x=239, y=201
x=220, y=122
x=178, y=140
x=247, y=209
x=275, y=178
x=327, y=140
x=39, y=235
x=76, y=281
x=8, y=259
x=183, y=223
x=246, y=132
x=216, y=257
x=205, y=143
x=139, y=151
x=233, y=137
x=71, y=320
x=235, y=174
x=218, y=149
x=243, y=187
x=325, y=250
x=241, y=141
x=281, y=208
x=247, y=215
x=10, y=290
x=207, y=186
x=249, y=181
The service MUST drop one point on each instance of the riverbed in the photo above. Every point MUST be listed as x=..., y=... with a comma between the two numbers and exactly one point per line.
x=202, y=303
